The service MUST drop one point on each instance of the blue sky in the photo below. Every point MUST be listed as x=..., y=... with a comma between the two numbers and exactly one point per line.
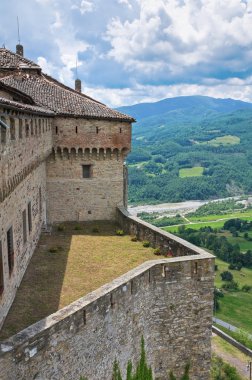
x=131, y=51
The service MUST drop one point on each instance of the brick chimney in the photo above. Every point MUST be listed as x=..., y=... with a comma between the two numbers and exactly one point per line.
x=20, y=50
x=78, y=85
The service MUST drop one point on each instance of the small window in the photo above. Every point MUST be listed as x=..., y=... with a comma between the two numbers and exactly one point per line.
x=86, y=171
x=29, y=217
x=56, y=130
x=1, y=270
x=120, y=130
x=97, y=130
x=24, y=227
x=76, y=129
x=10, y=247
x=20, y=130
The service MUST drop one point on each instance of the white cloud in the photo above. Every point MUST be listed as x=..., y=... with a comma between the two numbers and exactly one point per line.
x=171, y=36
x=47, y=67
x=84, y=6
x=232, y=88
x=125, y=2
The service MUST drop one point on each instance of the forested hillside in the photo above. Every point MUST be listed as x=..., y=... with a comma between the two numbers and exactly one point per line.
x=190, y=148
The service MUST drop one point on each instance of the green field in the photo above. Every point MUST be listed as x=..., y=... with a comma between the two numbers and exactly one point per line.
x=196, y=226
x=196, y=171
x=223, y=140
x=245, y=215
x=216, y=221
x=235, y=307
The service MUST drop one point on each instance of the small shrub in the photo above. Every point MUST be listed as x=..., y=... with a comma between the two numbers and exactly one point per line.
x=61, y=228
x=226, y=276
x=95, y=230
x=119, y=232
x=246, y=288
x=157, y=251
x=231, y=286
x=53, y=250
x=134, y=238
x=146, y=243
x=77, y=227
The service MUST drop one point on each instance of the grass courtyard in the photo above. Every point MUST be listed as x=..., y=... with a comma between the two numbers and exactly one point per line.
x=68, y=264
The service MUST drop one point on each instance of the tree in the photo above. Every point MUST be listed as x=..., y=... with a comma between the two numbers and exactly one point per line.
x=226, y=276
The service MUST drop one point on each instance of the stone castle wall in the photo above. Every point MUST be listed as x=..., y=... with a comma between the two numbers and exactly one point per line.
x=24, y=147
x=101, y=144
x=31, y=189
x=166, y=301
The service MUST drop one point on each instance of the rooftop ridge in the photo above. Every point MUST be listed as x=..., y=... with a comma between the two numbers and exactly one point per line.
x=25, y=107
x=58, y=83
x=14, y=61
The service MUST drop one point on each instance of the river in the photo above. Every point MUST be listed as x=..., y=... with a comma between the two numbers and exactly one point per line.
x=171, y=209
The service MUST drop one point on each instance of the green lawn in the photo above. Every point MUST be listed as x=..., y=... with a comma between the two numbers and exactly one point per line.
x=215, y=221
x=223, y=140
x=235, y=307
x=245, y=215
x=196, y=171
x=69, y=264
x=196, y=226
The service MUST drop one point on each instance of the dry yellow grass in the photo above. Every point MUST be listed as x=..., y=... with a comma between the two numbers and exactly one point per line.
x=83, y=261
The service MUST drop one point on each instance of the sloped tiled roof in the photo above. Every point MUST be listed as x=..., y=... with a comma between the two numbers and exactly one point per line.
x=25, y=107
x=10, y=60
x=49, y=93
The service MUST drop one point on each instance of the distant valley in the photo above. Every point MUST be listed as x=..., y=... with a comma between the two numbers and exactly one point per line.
x=189, y=148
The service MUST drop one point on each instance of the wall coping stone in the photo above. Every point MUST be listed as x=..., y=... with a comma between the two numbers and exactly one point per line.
x=33, y=331
x=190, y=246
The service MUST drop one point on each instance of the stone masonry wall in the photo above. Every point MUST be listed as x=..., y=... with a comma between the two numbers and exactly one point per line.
x=78, y=142
x=168, y=243
x=72, y=197
x=167, y=301
x=31, y=189
x=23, y=146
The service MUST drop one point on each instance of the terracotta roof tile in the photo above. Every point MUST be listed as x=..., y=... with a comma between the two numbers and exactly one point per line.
x=10, y=60
x=49, y=93
x=25, y=107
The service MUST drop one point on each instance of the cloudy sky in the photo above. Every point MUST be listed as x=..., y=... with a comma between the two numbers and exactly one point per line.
x=131, y=51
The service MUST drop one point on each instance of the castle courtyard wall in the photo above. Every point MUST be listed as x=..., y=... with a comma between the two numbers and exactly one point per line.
x=25, y=143
x=166, y=301
x=32, y=189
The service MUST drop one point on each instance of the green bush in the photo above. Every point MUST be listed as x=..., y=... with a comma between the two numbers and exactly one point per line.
x=146, y=243
x=231, y=286
x=119, y=232
x=246, y=288
x=223, y=371
x=77, y=227
x=226, y=276
x=143, y=372
x=157, y=251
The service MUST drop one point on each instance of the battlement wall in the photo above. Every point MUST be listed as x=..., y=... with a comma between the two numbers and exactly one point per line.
x=85, y=173
x=166, y=301
x=24, y=144
x=90, y=136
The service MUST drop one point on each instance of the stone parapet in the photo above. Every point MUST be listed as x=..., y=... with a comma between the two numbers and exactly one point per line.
x=168, y=243
x=168, y=301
